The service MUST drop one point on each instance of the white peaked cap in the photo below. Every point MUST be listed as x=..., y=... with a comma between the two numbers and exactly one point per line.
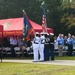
x=51, y=33
x=47, y=34
x=36, y=32
x=42, y=33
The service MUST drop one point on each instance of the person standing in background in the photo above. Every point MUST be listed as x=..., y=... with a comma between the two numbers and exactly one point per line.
x=60, y=40
x=70, y=42
x=55, y=43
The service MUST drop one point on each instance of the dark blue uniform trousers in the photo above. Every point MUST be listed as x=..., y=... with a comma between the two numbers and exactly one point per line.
x=46, y=54
x=52, y=54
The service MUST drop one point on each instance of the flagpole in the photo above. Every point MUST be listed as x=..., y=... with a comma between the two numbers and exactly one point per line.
x=24, y=38
x=24, y=12
x=44, y=23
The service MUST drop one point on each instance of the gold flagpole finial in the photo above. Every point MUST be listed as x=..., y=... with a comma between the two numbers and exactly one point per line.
x=24, y=12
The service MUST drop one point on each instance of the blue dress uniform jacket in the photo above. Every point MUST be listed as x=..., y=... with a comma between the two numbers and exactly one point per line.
x=52, y=48
x=46, y=49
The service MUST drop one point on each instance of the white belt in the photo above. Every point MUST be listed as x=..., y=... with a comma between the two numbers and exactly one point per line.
x=51, y=43
x=46, y=43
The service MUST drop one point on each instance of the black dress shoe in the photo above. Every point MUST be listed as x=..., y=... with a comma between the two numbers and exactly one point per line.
x=52, y=59
x=41, y=61
x=45, y=60
x=35, y=61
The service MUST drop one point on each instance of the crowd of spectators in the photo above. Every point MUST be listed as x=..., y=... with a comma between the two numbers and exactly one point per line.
x=60, y=42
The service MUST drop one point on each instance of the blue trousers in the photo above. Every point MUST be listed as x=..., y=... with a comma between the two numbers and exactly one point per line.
x=52, y=54
x=46, y=54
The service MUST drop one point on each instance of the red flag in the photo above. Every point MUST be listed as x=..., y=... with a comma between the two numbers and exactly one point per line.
x=44, y=24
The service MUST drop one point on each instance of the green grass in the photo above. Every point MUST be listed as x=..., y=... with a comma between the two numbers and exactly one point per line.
x=65, y=58
x=35, y=69
x=56, y=58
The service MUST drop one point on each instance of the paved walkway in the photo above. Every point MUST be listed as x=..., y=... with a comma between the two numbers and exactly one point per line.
x=55, y=62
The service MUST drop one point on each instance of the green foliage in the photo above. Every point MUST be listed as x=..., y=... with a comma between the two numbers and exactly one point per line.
x=65, y=58
x=68, y=17
x=14, y=8
x=60, y=13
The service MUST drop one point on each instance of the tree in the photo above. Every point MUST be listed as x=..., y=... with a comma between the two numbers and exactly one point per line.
x=68, y=18
x=60, y=14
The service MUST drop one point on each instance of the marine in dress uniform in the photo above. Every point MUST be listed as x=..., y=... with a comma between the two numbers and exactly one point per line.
x=46, y=49
x=36, y=46
x=52, y=46
x=41, y=50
